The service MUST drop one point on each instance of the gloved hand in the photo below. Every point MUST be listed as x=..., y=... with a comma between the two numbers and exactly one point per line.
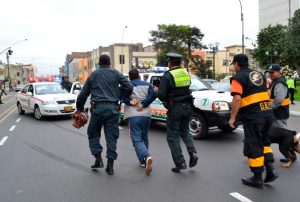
x=80, y=118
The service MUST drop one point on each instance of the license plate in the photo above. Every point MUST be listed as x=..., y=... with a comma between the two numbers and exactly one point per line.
x=68, y=108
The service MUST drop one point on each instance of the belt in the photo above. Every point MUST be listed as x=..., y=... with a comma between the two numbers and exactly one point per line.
x=105, y=102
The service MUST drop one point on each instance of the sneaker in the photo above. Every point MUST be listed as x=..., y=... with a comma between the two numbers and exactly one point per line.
x=148, y=168
x=142, y=165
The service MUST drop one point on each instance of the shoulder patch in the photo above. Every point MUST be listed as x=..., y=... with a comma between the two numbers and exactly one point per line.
x=256, y=78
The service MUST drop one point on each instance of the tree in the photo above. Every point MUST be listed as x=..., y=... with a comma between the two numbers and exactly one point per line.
x=293, y=38
x=271, y=46
x=181, y=39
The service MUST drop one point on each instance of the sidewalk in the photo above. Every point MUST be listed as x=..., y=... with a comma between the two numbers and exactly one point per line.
x=295, y=109
x=9, y=95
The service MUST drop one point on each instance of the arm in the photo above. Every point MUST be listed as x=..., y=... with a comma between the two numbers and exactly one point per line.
x=280, y=92
x=150, y=97
x=162, y=93
x=126, y=87
x=235, y=106
x=83, y=95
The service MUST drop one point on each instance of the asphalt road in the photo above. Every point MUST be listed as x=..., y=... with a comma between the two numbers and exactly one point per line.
x=50, y=161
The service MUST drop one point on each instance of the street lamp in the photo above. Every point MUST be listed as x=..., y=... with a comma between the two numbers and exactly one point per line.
x=242, y=19
x=8, y=53
x=122, y=59
x=214, y=48
x=253, y=41
x=269, y=53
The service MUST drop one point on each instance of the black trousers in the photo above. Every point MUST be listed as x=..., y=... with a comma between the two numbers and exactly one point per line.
x=178, y=118
x=292, y=92
x=257, y=144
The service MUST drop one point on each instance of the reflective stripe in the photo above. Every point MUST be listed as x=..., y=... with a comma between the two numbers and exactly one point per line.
x=267, y=150
x=258, y=162
x=285, y=102
x=254, y=98
x=181, y=77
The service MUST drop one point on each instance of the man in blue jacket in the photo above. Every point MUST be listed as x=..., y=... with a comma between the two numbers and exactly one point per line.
x=138, y=113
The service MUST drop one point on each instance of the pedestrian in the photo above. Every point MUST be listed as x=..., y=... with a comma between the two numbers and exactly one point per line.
x=175, y=94
x=138, y=113
x=66, y=84
x=291, y=83
x=251, y=101
x=104, y=85
x=279, y=97
x=2, y=91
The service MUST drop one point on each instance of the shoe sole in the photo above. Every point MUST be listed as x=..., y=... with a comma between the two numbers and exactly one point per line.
x=148, y=168
x=252, y=185
x=194, y=164
x=271, y=180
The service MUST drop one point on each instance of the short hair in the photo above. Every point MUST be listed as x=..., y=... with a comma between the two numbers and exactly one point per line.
x=175, y=62
x=134, y=74
x=104, y=60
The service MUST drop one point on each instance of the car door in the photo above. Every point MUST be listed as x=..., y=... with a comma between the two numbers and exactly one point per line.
x=29, y=100
x=76, y=88
x=22, y=97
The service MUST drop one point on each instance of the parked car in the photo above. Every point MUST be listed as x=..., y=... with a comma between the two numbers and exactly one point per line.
x=19, y=87
x=212, y=107
x=45, y=99
x=209, y=81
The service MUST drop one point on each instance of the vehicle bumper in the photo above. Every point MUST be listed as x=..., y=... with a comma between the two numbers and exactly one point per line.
x=54, y=110
x=219, y=119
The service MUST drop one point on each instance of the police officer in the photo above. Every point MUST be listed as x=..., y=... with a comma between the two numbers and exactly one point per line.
x=175, y=94
x=251, y=100
x=103, y=85
x=279, y=97
x=291, y=83
x=66, y=84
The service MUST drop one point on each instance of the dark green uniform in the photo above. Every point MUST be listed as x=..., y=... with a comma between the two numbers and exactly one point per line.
x=175, y=94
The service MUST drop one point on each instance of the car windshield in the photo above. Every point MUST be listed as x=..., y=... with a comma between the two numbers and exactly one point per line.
x=221, y=86
x=49, y=89
x=197, y=84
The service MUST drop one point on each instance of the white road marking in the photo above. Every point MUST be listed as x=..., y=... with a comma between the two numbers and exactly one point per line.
x=3, y=140
x=18, y=120
x=240, y=197
x=12, y=128
x=120, y=128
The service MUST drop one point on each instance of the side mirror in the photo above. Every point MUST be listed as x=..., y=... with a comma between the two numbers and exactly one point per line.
x=29, y=93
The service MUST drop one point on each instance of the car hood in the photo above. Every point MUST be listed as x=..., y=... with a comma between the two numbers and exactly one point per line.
x=213, y=95
x=55, y=97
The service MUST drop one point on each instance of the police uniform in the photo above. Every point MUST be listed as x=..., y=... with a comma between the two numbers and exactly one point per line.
x=175, y=94
x=103, y=85
x=291, y=83
x=256, y=115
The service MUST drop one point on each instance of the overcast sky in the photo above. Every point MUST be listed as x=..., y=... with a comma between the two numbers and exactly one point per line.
x=55, y=28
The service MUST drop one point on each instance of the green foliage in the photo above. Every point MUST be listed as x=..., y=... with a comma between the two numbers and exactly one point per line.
x=281, y=42
x=270, y=46
x=181, y=39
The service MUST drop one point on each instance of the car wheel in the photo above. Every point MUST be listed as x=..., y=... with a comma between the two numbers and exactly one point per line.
x=198, y=127
x=37, y=113
x=20, y=110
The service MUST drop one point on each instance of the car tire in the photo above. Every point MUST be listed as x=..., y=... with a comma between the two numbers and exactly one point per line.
x=198, y=127
x=20, y=110
x=37, y=113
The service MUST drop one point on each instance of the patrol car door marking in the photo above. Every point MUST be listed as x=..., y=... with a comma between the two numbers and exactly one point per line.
x=204, y=102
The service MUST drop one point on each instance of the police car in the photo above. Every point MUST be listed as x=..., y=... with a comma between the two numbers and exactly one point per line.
x=212, y=107
x=47, y=99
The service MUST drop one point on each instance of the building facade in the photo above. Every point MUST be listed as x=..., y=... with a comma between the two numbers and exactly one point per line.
x=272, y=12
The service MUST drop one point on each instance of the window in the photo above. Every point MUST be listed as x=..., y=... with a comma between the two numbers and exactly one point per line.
x=155, y=81
x=25, y=89
x=122, y=59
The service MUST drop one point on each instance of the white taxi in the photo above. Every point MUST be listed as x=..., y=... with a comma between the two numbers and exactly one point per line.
x=47, y=99
x=211, y=107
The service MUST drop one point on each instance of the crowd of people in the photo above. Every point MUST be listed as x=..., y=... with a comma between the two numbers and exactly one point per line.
x=260, y=108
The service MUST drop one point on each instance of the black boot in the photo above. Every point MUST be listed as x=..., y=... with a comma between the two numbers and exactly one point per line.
x=271, y=174
x=110, y=166
x=193, y=159
x=254, y=181
x=180, y=167
x=98, y=161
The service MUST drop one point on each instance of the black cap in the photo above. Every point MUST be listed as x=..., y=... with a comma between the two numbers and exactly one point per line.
x=274, y=68
x=240, y=59
x=174, y=57
x=104, y=60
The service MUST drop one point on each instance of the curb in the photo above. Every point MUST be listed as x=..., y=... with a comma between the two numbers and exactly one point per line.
x=295, y=113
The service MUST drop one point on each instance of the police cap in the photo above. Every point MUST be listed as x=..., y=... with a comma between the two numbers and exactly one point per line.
x=174, y=57
x=274, y=68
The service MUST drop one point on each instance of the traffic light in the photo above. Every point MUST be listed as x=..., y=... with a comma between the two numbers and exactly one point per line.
x=10, y=52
